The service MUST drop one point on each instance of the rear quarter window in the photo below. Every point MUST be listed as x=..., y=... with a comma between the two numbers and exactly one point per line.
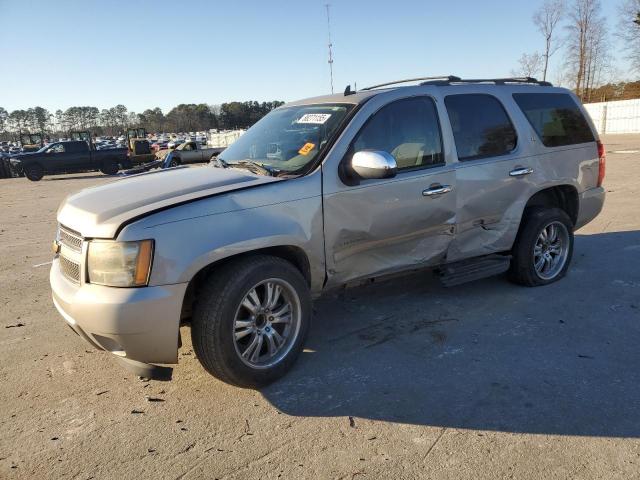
x=76, y=147
x=481, y=126
x=555, y=117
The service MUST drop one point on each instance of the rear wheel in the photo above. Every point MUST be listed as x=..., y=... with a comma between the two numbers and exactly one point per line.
x=109, y=167
x=542, y=252
x=34, y=172
x=251, y=320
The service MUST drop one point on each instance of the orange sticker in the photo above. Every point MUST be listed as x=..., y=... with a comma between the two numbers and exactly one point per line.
x=306, y=148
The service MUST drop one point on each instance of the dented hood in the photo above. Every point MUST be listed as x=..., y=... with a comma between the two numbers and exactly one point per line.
x=98, y=212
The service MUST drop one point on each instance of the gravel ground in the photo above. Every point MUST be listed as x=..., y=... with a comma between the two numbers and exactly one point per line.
x=400, y=379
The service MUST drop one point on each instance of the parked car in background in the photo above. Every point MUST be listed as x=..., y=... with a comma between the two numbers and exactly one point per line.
x=160, y=145
x=69, y=157
x=175, y=142
x=189, y=152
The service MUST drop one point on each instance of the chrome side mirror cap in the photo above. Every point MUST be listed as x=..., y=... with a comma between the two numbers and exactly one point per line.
x=370, y=164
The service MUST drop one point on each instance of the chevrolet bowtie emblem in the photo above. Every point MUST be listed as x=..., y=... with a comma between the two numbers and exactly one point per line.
x=55, y=246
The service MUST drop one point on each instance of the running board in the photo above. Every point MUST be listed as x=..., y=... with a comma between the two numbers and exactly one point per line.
x=465, y=271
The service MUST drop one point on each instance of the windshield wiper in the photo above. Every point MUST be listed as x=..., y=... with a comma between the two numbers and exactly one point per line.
x=253, y=167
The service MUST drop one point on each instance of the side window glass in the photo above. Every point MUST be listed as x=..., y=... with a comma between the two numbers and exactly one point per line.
x=57, y=148
x=555, y=117
x=481, y=127
x=408, y=129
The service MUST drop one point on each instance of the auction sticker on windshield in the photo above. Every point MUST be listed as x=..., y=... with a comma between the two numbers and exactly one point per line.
x=315, y=118
x=306, y=148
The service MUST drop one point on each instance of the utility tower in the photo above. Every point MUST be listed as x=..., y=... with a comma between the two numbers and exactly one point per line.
x=330, y=45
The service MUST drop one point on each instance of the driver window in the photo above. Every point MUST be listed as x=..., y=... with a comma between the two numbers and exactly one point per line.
x=57, y=148
x=188, y=146
x=408, y=129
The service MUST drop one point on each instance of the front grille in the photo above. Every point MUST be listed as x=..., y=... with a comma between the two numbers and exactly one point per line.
x=70, y=239
x=70, y=269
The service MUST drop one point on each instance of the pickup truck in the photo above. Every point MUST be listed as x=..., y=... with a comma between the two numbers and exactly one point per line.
x=189, y=152
x=69, y=157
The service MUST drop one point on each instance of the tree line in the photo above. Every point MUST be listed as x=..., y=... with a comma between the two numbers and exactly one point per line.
x=115, y=120
x=578, y=29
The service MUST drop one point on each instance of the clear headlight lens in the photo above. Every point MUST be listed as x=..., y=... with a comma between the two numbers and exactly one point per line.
x=120, y=264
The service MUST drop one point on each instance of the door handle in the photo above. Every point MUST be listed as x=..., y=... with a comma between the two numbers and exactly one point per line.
x=520, y=171
x=436, y=190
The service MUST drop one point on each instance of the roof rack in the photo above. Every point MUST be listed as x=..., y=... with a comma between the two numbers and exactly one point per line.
x=495, y=81
x=446, y=78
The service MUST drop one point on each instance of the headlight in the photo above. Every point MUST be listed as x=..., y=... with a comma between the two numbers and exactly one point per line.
x=120, y=264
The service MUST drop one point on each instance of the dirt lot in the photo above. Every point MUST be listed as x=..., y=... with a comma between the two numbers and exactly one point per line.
x=401, y=379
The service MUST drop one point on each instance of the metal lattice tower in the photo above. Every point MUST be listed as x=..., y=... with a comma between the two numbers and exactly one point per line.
x=330, y=45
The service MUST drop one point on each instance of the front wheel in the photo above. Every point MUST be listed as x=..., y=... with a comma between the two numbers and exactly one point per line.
x=251, y=320
x=34, y=172
x=542, y=252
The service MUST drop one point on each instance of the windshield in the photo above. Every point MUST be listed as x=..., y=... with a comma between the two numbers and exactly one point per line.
x=287, y=139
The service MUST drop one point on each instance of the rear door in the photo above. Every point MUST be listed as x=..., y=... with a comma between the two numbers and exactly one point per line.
x=493, y=173
x=77, y=156
x=385, y=225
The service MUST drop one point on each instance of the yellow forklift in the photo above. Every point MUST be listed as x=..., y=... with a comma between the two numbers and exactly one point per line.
x=31, y=142
x=139, y=146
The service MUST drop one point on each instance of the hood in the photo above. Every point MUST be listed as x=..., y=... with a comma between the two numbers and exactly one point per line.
x=98, y=212
x=22, y=155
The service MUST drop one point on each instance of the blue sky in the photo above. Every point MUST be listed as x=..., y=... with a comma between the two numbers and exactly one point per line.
x=143, y=54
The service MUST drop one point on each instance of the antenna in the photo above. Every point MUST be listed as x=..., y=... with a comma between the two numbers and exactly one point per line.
x=330, y=45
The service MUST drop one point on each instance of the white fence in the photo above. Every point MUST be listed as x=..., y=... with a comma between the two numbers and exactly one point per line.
x=622, y=116
x=224, y=139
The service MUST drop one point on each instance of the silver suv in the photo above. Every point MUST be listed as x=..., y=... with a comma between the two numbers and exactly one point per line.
x=468, y=177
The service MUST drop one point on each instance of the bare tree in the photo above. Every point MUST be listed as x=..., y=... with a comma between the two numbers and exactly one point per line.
x=598, y=59
x=629, y=31
x=586, y=44
x=546, y=19
x=529, y=65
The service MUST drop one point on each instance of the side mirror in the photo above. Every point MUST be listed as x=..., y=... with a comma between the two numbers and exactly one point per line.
x=369, y=164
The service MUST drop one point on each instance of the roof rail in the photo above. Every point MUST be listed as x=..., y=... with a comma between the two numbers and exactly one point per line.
x=495, y=81
x=446, y=78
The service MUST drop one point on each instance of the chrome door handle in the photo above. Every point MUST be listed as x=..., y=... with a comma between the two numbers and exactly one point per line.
x=519, y=172
x=437, y=190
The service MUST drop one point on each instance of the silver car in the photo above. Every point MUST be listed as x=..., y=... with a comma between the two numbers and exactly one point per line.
x=470, y=178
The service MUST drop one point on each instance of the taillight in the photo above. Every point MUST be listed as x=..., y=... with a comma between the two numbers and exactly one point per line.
x=602, y=162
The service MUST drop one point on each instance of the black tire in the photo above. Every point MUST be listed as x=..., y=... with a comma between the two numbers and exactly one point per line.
x=34, y=172
x=175, y=162
x=5, y=170
x=523, y=270
x=109, y=167
x=213, y=325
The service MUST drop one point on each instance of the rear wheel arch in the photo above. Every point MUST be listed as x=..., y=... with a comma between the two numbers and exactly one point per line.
x=564, y=197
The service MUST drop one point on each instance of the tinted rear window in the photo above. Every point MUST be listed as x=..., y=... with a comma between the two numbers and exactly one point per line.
x=76, y=147
x=481, y=127
x=555, y=117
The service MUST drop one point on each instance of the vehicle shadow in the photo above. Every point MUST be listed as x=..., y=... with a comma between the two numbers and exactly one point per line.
x=489, y=355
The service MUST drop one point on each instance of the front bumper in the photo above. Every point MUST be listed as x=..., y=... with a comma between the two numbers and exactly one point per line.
x=138, y=325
